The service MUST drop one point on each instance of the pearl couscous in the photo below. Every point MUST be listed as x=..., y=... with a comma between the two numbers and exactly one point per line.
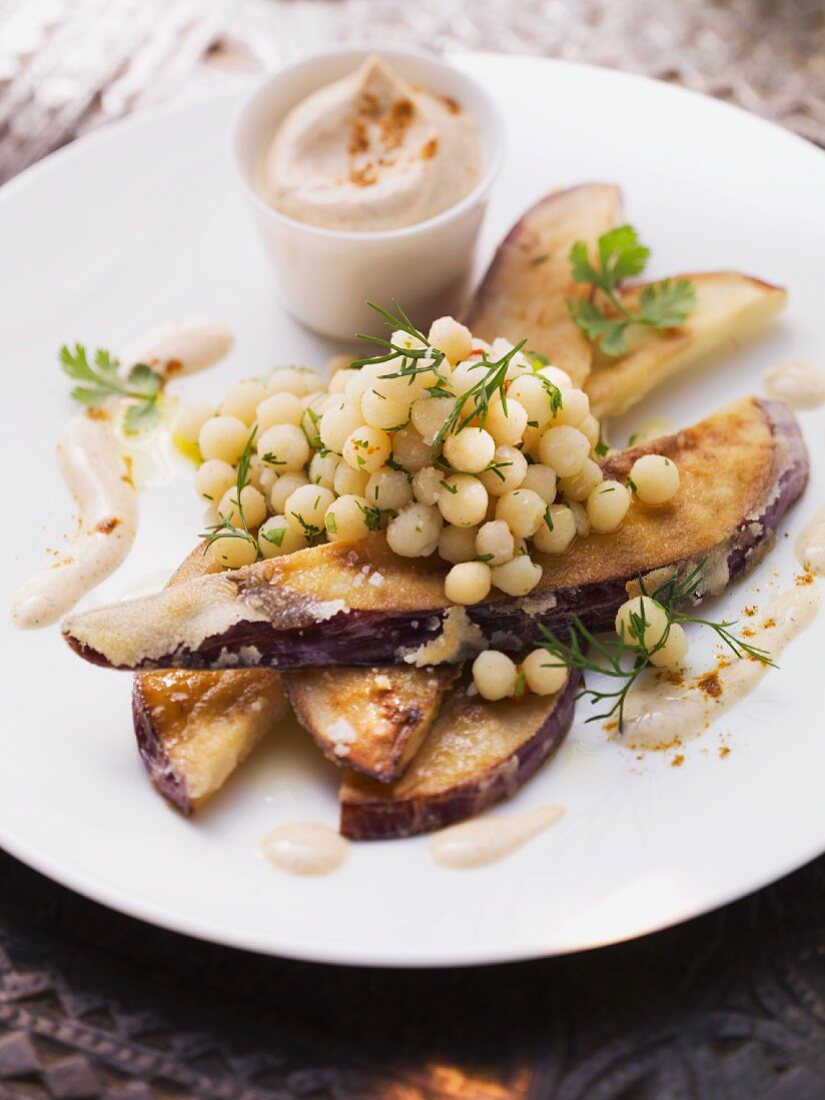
x=481, y=453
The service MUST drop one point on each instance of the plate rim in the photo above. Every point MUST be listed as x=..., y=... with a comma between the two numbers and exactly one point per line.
x=310, y=950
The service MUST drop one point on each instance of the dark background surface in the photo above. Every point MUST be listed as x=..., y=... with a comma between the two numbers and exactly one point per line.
x=94, y=1004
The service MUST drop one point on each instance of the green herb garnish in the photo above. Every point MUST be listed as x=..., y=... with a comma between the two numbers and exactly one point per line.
x=100, y=380
x=626, y=658
x=225, y=528
x=662, y=305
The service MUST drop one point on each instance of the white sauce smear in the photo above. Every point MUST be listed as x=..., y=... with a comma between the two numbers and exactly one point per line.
x=477, y=843
x=180, y=347
x=800, y=384
x=810, y=546
x=96, y=476
x=657, y=714
x=305, y=848
x=90, y=459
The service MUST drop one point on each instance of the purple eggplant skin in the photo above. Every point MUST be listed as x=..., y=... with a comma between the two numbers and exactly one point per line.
x=373, y=811
x=741, y=470
x=167, y=780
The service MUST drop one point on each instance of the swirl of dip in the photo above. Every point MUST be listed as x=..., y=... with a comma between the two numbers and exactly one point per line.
x=372, y=152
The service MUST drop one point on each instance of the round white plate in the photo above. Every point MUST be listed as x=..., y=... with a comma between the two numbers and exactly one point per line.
x=143, y=223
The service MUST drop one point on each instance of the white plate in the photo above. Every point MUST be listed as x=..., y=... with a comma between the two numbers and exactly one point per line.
x=143, y=223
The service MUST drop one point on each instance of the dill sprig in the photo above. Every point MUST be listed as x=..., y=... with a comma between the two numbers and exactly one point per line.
x=426, y=359
x=225, y=528
x=476, y=401
x=626, y=658
x=411, y=357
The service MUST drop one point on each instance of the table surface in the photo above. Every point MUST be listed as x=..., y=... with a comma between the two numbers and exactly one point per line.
x=94, y=1004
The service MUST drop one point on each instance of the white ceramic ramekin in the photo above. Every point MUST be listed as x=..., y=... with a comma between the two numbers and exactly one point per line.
x=327, y=276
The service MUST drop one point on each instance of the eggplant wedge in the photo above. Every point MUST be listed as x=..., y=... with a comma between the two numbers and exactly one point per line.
x=525, y=290
x=729, y=308
x=740, y=470
x=371, y=720
x=193, y=729
x=477, y=753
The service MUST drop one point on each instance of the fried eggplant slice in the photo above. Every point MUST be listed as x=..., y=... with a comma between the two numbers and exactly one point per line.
x=193, y=729
x=729, y=308
x=371, y=720
x=740, y=471
x=477, y=753
x=525, y=290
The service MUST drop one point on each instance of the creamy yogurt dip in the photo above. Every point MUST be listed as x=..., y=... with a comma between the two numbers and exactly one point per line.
x=372, y=152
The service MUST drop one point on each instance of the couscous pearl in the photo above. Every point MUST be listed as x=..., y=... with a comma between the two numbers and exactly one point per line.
x=533, y=397
x=409, y=449
x=426, y=484
x=470, y=450
x=414, y=532
x=293, y=380
x=284, y=447
x=223, y=437
x=456, y=544
x=590, y=428
x=565, y=449
x=279, y=408
x=388, y=489
x=674, y=649
x=429, y=415
x=383, y=412
x=360, y=381
x=522, y=511
x=307, y=506
x=560, y=378
x=337, y=424
x=508, y=471
x=558, y=538
x=542, y=480
x=277, y=536
x=462, y=500
x=367, y=448
x=348, y=482
x=253, y=504
x=261, y=476
x=580, y=516
x=517, y=577
x=339, y=375
x=656, y=479
x=322, y=469
x=495, y=543
x=466, y=375
x=583, y=483
x=451, y=337
x=468, y=582
x=641, y=608
x=233, y=552
x=506, y=423
x=494, y=675
x=540, y=674
x=607, y=506
x=213, y=478
x=189, y=420
x=346, y=519
x=575, y=407
x=283, y=488
x=242, y=400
